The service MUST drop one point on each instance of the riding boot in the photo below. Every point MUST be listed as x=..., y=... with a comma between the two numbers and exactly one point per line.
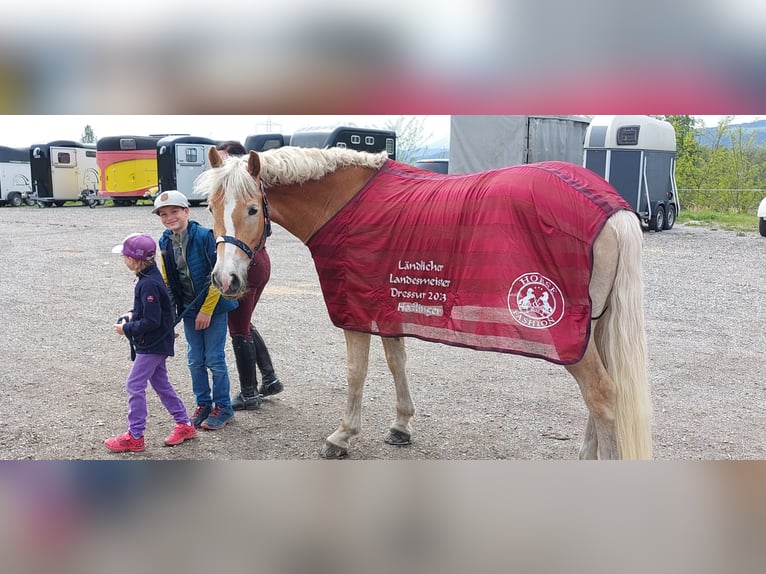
x=270, y=385
x=244, y=353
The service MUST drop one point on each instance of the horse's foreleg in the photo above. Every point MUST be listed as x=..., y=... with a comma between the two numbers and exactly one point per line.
x=600, y=394
x=358, y=355
x=396, y=356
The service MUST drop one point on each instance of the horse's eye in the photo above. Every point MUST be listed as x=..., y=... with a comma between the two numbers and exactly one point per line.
x=252, y=211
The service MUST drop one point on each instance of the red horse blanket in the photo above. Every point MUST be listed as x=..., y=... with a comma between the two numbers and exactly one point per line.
x=495, y=261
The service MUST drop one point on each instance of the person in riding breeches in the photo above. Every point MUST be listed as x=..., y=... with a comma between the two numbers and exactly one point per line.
x=249, y=347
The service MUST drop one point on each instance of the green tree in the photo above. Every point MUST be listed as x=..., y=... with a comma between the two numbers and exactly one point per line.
x=689, y=155
x=88, y=136
x=721, y=169
x=411, y=138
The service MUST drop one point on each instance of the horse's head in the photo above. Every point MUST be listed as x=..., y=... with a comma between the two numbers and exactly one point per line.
x=240, y=217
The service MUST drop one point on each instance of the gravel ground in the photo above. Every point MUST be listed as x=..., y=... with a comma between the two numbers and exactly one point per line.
x=63, y=368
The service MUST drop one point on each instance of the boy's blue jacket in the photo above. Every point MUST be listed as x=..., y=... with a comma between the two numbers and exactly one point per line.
x=201, y=258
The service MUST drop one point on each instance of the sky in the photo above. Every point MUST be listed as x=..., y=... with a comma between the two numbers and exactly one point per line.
x=25, y=130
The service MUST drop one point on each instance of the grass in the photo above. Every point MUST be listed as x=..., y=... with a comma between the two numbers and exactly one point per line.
x=728, y=221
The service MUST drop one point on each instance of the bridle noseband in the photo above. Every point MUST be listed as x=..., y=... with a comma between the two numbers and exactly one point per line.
x=266, y=232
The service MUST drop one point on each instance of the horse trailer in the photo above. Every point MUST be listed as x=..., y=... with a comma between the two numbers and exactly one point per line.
x=480, y=143
x=637, y=155
x=371, y=140
x=128, y=167
x=64, y=171
x=180, y=160
x=263, y=142
x=15, y=176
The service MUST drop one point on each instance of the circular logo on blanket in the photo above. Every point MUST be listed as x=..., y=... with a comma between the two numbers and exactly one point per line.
x=535, y=301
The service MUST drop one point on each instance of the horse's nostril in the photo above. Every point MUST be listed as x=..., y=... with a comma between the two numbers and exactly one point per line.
x=234, y=283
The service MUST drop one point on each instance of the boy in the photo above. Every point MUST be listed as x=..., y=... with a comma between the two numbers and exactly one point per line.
x=188, y=257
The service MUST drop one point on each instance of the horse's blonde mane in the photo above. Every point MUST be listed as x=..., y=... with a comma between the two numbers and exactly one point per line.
x=283, y=166
x=232, y=175
x=295, y=165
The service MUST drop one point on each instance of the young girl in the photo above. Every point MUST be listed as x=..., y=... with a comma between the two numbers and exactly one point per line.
x=149, y=328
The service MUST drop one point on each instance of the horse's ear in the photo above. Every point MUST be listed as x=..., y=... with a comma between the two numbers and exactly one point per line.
x=253, y=164
x=214, y=157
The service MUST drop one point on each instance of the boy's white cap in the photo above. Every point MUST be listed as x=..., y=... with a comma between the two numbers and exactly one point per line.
x=170, y=197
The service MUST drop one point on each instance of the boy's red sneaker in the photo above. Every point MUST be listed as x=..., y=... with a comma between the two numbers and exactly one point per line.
x=125, y=443
x=181, y=432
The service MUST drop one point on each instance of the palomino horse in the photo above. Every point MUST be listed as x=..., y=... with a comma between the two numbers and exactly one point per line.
x=579, y=304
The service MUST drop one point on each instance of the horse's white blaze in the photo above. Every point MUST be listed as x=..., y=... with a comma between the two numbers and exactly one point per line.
x=234, y=261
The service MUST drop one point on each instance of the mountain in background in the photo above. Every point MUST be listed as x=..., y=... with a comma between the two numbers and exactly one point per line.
x=439, y=148
x=706, y=136
x=435, y=149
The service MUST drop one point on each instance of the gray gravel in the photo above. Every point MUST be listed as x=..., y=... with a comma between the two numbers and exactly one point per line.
x=63, y=368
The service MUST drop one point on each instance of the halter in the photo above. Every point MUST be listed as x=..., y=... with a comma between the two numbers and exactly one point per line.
x=266, y=232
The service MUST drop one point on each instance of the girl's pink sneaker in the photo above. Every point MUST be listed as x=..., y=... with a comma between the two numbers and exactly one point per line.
x=181, y=432
x=125, y=443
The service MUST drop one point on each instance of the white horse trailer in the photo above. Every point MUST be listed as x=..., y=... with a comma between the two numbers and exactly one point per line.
x=637, y=155
x=64, y=171
x=180, y=160
x=15, y=176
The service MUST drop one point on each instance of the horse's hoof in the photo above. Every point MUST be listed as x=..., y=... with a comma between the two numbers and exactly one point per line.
x=397, y=437
x=333, y=451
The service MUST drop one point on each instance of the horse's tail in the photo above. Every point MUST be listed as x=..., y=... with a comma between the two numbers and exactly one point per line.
x=621, y=342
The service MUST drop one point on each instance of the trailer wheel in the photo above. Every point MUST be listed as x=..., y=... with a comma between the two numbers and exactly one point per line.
x=670, y=217
x=14, y=199
x=657, y=220
x=762, y=226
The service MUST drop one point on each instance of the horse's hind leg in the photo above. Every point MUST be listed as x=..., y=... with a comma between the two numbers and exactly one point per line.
x=600, y=394
x=396, y=356
x=597, y=388
x=589, y=448
x=358, y=355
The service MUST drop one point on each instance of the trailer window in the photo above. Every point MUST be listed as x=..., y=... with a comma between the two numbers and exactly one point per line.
x=369, y=140
x=273, y=143
x=127, y=143
x=191, y=155
x=63, y=158
x=90, y=153
x=628, y=135
x=356, y=139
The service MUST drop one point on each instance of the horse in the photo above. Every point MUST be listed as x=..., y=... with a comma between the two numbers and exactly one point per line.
x=594, y=328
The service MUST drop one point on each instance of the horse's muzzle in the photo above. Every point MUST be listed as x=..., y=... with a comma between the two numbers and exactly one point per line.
x=234, y=288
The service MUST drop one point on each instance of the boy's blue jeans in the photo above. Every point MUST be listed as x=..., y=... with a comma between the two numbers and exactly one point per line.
x=207, y=351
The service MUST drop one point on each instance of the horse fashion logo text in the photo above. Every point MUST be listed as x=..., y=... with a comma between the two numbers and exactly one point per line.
x=535, y=301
